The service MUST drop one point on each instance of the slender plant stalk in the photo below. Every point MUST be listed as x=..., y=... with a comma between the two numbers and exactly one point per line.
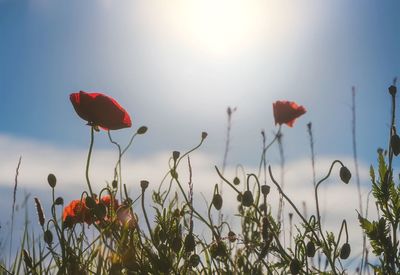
x=13, y=205
x=394, y=222
x=229, y=112
x=360, y=206
x=88, y=160
x=265, y=149
x=280, y=216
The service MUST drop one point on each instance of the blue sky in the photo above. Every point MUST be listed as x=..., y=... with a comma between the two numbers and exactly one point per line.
x=159, y=61
x=177, y=65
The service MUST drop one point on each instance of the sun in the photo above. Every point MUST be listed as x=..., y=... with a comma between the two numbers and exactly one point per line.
x=220, y=27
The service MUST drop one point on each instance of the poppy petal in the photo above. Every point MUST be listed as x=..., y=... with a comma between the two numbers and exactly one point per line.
x=100, y=110
x=286, y=112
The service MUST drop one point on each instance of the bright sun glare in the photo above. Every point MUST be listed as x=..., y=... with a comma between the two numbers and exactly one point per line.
x=219, y=27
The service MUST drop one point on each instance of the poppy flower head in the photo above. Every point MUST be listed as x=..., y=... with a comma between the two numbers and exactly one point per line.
x=107, y=202
x=286, y=112
x=100, y=110
x=77, y=212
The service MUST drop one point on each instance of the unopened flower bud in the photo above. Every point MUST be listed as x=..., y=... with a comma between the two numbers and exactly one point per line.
x=392, y=90
x=310, y=249
x=236, y=181
x=59, y=201
x=265, y=189
x=345, y=251
x=114, y=184
x=218, y=249
x=204, y=135
x=295, y=266
x=247, y=199
x=52, y=180
x=175, y=155
x=395, y=144
x=194, y=260
x=176, y=244
x=239, y=197
x=345, y=174
x=90, y=202
x=100, y=210
x=142, y=130
x=190, y=243
x=144, y=184
x=217, y=201
x=48, y=237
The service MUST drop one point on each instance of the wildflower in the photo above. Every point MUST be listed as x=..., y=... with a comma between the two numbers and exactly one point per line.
x=286, y=112
x=107, y=202
x=77, y=212
x=100, y=110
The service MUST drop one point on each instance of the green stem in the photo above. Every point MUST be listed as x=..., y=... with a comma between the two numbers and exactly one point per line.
x=88, y=160
x=266, y=148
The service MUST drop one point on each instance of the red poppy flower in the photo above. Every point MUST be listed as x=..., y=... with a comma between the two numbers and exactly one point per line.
x=77, y=212
x=286, y=112
x=100, y=110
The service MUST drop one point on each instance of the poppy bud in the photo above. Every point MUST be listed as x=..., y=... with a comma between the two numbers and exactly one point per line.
x=90, y=203
x=345, y=251
x=218, y=250
x=176, y=244
x=51, y=179
x=163, y=264
x=48, y=237
x=175, y=155
x=59, y=201
x=295, y=266
x=144, y=184
x=217, y=201
x=100, y=210
x=190, y=243
x=239, y=197
x=231, y=236
x=310, y=249
x=204, y=135
x=265, y=189
x=247, y=199
x=114, y=184
x=345, y=174
x=392, y=90
x=194, y=260
x=395, y=144
x=236, y=181
x=142, y=130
